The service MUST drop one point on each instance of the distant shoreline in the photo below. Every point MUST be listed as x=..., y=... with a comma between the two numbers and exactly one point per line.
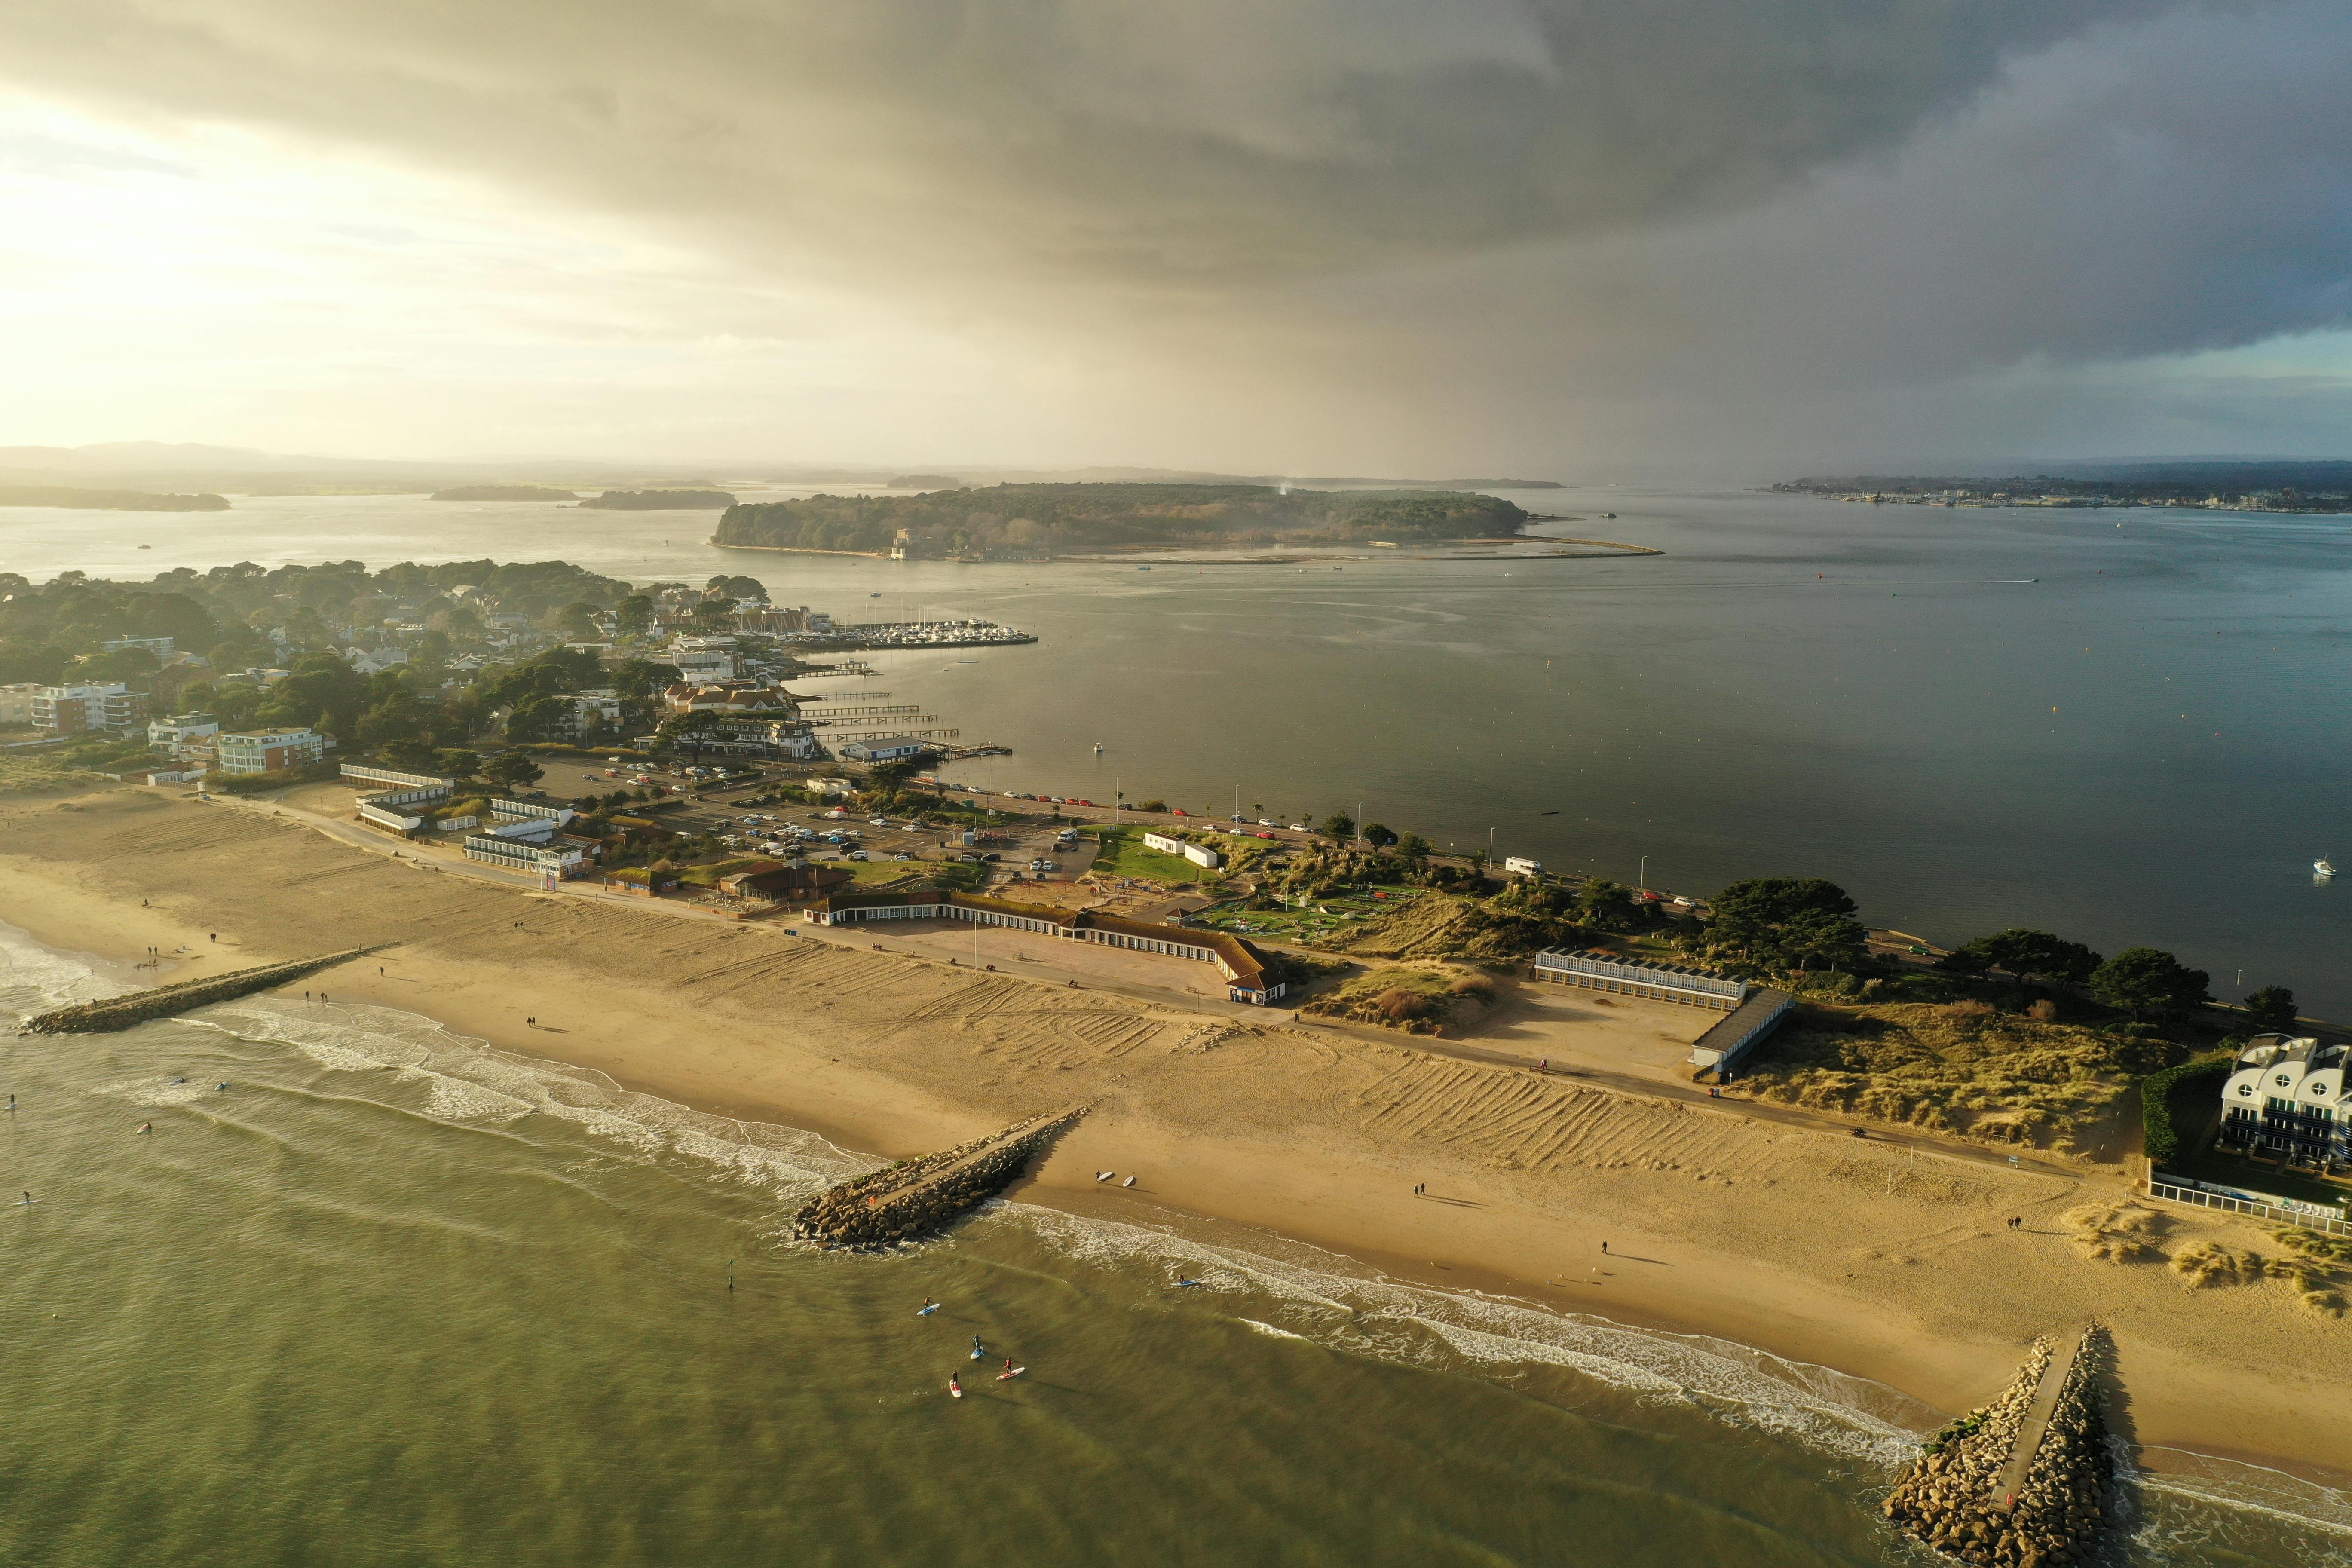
x=1209, y=555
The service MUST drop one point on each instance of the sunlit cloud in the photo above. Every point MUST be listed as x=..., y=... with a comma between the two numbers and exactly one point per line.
x=1315, y=235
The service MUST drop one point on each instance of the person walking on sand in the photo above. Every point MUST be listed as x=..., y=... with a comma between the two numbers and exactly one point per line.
x=1604, y=1249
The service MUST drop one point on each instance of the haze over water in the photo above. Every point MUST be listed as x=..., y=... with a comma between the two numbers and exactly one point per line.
x=2123, y=726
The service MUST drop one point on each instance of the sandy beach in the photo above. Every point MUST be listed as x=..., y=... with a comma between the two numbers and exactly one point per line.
x=1884, y=1262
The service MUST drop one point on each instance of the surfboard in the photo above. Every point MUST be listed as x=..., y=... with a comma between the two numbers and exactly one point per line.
x=954, y=1392
x=1008, y=1377
x=926, y=1311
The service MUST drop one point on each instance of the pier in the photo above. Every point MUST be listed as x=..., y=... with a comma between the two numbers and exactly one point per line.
x=162, y=1001
x=922, y=1196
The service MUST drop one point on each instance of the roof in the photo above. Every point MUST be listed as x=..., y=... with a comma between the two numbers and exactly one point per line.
x=1248, y=965
x=1631, y=961
x=1728, y=1033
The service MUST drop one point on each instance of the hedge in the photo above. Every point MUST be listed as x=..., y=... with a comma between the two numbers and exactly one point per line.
x=2159, y=1138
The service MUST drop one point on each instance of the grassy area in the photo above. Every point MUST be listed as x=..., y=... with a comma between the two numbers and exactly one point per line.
x=1959, y=1067
x=961, y=875
x=1319, y=921
x=1418, y=1000
x=31, y=771
x=1124, y=854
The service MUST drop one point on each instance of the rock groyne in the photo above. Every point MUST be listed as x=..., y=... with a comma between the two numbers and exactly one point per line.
x=2023, y=1483
x=923, y=1197
x=122, y=1011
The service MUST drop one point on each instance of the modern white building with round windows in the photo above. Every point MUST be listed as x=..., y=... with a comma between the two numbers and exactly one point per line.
x=2280, y=1100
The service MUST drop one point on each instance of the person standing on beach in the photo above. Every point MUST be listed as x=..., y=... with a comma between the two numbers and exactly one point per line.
x=1604, y=1249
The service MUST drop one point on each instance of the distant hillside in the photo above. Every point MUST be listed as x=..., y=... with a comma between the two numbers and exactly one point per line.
x=505, y=492
x=662, y=501
x=1059, y=517
x=106, y=500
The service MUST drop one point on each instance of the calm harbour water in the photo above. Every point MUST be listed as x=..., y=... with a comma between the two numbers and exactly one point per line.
x=390, y=1298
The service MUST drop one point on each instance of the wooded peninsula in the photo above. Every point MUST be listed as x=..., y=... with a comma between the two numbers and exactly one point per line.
x=107, y=500
x=1051, y=519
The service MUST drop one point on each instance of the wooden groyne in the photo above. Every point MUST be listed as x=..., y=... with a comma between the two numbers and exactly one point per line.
x=923, y=1197
x=122, y=1011
x=2023, y=1483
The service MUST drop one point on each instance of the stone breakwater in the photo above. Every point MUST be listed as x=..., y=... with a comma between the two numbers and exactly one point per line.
x=923, y=1197
x=122, y=1011
x=2026, y=1481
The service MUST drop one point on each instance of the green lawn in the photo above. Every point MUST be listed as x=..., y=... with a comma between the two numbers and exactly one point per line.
x=959, y=874
x=1124, y=855
x=1320, y=919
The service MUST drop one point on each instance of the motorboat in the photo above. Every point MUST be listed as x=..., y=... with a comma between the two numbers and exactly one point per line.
x=2322, y=869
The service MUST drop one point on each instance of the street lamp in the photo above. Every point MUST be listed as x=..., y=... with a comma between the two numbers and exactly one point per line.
x=1645, y=877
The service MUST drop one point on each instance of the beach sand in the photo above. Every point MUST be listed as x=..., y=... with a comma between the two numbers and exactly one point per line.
x=1878, y=1261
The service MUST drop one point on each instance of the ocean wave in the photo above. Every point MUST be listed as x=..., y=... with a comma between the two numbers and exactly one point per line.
x=2212, y=1495
x=1269, y=1329
x=1336, y=1302
x=467, y=1080
x=34, y=979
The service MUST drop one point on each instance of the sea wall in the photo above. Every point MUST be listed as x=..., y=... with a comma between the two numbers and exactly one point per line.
x=1977, y=1496
x=923, y=1197
x=122, y=1011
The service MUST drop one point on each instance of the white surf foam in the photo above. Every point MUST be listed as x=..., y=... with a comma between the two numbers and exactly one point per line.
x=467, y=1080
x=1336, y=1302
x=34, y=979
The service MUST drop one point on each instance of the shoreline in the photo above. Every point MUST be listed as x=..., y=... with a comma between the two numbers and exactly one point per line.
x=1184, y=1100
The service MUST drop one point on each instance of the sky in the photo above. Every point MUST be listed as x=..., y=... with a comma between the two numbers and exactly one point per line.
x=1564, y=238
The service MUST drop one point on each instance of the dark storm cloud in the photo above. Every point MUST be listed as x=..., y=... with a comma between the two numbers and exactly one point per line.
x=1126, y=137
x=1496, y=223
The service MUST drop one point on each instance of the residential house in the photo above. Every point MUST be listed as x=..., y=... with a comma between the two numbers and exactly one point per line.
x=184, y=734
x=76, y=710
x=270, y=750
x=887, y=748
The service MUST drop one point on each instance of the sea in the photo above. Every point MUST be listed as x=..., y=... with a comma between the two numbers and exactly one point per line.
x=370, y=1292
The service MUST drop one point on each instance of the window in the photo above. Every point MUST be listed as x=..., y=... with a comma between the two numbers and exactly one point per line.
x=2247, y=1090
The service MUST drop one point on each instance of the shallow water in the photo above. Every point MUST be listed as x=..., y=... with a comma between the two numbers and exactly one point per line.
x=390, y=1296
x=2127, y=727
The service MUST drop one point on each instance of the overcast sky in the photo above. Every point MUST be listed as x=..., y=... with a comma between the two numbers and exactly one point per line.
x=1563, y=237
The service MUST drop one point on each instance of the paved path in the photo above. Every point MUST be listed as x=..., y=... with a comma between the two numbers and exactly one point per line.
x=2006, y=1486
